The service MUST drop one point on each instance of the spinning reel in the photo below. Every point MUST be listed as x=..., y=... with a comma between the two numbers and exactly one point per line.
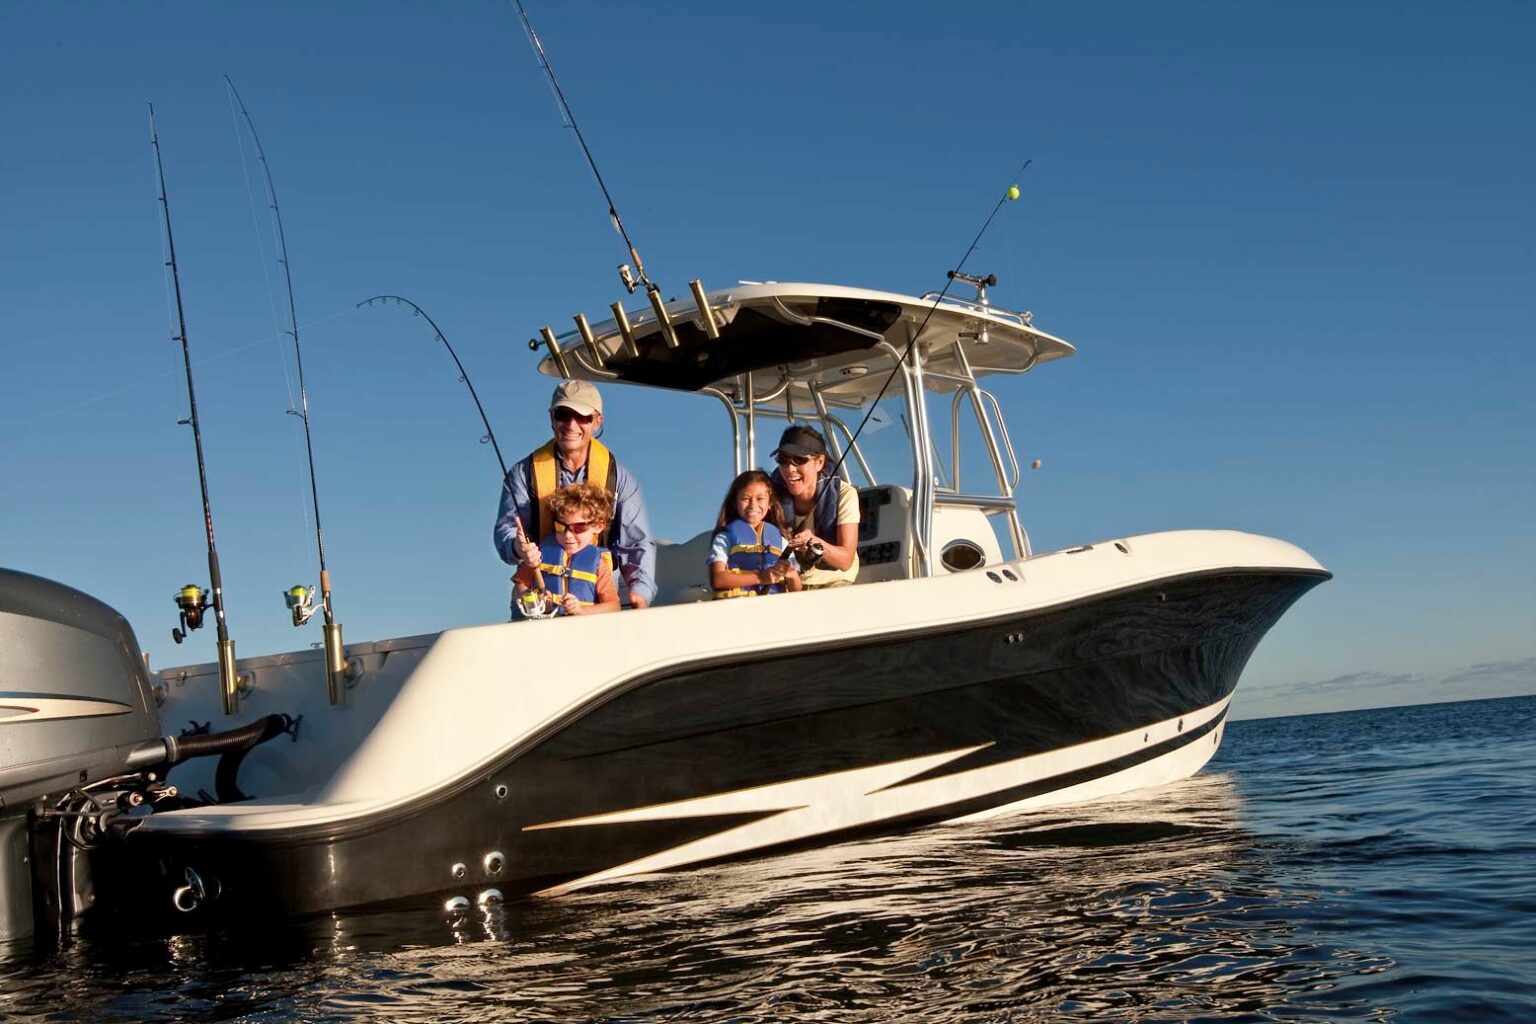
x=191, y=600
x=537, y=604
x=809, y=555
x=301, y=602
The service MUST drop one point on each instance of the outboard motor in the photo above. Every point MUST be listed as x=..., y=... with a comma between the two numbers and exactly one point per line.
x=75, y=702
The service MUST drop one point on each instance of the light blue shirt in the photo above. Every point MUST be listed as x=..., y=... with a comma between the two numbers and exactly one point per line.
x=630, y=540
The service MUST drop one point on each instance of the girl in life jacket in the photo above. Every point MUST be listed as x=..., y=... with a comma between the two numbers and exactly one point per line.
x=746, y=554
x=568, y=565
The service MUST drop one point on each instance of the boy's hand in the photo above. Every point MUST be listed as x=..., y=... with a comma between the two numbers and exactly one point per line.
x=571, y=605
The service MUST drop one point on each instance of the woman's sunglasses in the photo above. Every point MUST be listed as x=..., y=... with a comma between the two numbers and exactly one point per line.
x=581, y=527
x=563, y=415
x=798, y=460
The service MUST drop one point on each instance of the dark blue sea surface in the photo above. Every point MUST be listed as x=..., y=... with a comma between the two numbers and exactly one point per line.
x=1374, y=866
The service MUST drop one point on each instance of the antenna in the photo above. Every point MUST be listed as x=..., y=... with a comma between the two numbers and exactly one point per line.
x=190, y=599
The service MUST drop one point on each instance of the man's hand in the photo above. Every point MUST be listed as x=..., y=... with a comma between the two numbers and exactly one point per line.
x=528, y=551
x=636, y=601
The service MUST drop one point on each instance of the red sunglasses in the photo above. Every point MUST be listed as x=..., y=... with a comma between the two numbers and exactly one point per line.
x=564, y=415
x=581, y=527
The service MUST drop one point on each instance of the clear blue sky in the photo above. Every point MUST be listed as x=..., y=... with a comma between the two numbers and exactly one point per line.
x=1292, y=242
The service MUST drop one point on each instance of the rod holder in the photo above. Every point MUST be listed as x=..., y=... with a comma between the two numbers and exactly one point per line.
x=625, y=330
x=589, y=340
x=662, y=320
x=229, y=679
x=335, y=664
x=553, y=344
x=706, y=314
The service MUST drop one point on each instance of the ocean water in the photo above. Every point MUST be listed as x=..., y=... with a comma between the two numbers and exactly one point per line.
x=1373, y=866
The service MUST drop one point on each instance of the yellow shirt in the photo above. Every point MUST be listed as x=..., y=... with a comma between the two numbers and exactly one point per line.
x=847, y=512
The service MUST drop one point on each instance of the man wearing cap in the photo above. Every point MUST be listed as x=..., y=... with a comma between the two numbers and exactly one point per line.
x=574, y=456
x=822, y=510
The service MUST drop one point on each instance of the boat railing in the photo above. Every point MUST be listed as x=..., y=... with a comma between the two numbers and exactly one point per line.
x=1020, y=318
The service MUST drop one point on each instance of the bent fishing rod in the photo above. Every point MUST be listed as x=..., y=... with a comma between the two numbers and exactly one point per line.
x=489, y=437
x=299, y=600
x=191, y=601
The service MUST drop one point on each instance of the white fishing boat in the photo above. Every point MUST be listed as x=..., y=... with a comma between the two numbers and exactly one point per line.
x=965, y=675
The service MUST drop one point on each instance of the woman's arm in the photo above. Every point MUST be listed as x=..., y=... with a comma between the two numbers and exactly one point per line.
x=840, y=551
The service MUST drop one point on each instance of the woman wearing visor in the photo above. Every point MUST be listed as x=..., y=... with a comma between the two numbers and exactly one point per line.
x=822, y=510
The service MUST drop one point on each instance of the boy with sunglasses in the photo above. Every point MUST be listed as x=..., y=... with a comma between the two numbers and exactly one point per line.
x=576, y=573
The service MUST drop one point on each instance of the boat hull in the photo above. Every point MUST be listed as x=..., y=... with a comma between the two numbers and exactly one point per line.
x=738, y=755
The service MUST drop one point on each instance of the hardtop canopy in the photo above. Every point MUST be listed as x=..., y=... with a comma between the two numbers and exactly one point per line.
x=843, y=341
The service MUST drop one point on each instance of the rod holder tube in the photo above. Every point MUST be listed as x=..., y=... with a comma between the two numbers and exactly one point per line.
x=706, y=314
x=627, y=332
x=229, y=679
x=553, y=344
x=335, y=664
x=662, y=319
x=589, y=339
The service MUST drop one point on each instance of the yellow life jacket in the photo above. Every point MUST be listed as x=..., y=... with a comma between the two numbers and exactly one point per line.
x=601, y=470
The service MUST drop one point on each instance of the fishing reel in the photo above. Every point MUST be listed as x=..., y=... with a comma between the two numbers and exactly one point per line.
x=809, y=555
x=191, y=601
x=536, y=604
x=301, y=602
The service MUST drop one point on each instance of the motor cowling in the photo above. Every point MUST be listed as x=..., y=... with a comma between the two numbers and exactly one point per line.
x=75, y=701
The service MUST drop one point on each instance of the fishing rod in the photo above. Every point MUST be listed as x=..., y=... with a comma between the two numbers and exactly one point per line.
x=1009, y=195
x=300, y=600
x=628, y=277
x=489, y=435
x=190, y=600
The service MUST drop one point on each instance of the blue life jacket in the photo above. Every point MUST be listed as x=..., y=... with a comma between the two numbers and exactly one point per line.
x=823, y=513
x=748, y=552
x=574, y=574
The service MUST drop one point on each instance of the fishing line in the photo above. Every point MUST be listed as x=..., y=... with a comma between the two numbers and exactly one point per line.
x=277, y=323
x=570, y=119
x=1009, y=194
x=147, y=381
x=261, y=251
